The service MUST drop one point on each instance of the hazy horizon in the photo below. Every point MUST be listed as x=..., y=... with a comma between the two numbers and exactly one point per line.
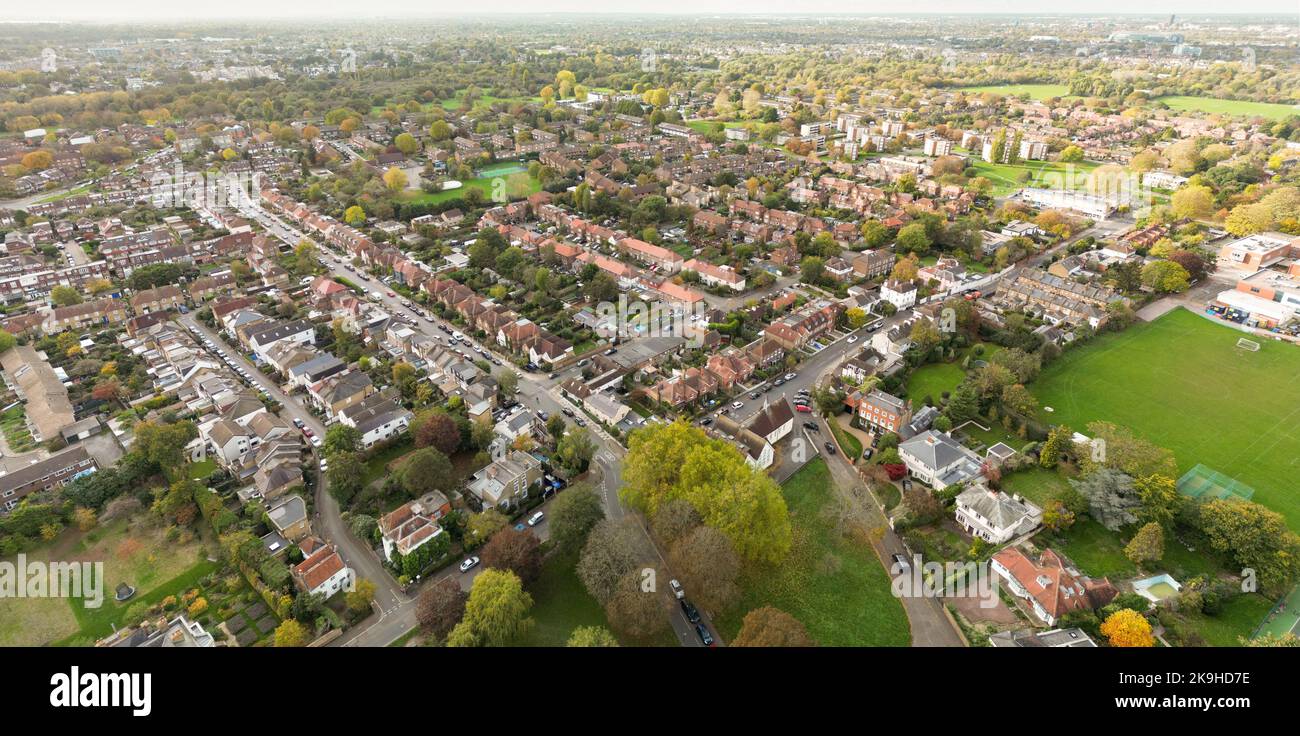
x=252, y=10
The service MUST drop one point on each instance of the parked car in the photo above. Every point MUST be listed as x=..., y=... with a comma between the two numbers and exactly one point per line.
x=737, y=405
x=811, y=427
x=692, y=613
x=468, y=563
x=705, y=637
x=802, y=408
x=853, y=339
x=830, y=448
x=536, y=518
x=900, y=564
x=791, y=376
x=754, y=394
x=298, y=423
x=315, y=442
x=678, y=593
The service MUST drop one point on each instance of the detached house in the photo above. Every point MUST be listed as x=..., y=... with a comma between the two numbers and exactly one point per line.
x=411, y=525
x=1049, y=587
x=323, y=573
x=994, y=516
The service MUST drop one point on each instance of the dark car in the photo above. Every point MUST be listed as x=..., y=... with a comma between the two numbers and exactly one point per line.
x=706, y=421
x=754, y=394
x=811, y=427
x=830, y=448
x=692, y=614
x=705, y=637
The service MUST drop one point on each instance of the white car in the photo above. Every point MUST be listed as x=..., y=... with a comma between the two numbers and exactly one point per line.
x=468, y=563
x=678, y=593
x=315, y=442
x=737, y=405
x=324, y=466
x=853, y=339
x=536, y=519
x=791, y=376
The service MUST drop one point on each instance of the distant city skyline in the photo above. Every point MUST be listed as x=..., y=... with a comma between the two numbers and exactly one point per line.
x=95, y=10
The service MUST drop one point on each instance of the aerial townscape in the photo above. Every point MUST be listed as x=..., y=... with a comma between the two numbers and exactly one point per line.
x=648, y=329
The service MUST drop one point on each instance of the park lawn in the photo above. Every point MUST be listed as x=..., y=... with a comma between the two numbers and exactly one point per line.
x=1035, y=91
x=527, y=186
x=1006, y=178
x=560, y=604
x=932, y=380
x=456, y=102
x=1182, y=383
x=1220, y=106
x=708, y=126
x=100, y=622
x=836, y=587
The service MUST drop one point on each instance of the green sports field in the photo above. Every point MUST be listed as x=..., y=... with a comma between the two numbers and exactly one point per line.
x=1182, y=383
x=1221, y=106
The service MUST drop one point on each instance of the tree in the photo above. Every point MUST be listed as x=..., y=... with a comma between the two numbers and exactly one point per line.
x=164, y=443
x=1160, y=499
x=483, y=525
x=496, y=612
x=1058, y=441
x=346, y=475
x=1018, y=399
x=395, y=179
x=1193, y=202
x=612, y=551
x=905, y=269
x=812, y=269
x=508, y=382
x=912, y=238
x=1128, y=628
x=341, y=438
x=591, y=636
x=437, y=429
x=1254, y=536
x=678, y=460
x=7, y=341
x=573, y=515
x=426, y=470
x=1072, y=154
x=361, y=596
x=772, y=627
x=514, y=550
x=440, y=607
x=65, y=296
x=291, y=634
x=354, y=215
x=1116, y=447
x=406, y=143
x=636, y=609
x=1112, y=499
x=707, y=564
x=673, y=521
x=1148, y=545
x=1165, y=276
x=574, y=450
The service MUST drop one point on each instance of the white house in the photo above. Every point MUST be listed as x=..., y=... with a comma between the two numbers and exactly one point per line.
x=994, y=516
x=323, y=573
x=902, y=294
x=938, y=460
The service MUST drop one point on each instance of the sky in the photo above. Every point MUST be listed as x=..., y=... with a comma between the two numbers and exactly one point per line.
x=130, y=10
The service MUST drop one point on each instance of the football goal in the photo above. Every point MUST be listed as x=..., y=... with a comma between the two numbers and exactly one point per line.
x=1250, y=345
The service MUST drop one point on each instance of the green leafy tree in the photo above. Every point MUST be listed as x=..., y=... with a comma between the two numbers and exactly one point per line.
x=496, y=612
x=573, y=515
x=346, y=475
x=772, y=627
x=341, y=438
x=591, y=636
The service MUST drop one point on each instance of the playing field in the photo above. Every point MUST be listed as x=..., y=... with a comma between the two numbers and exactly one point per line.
x=1182, y=383
x=1221, y=106
x=1035, y=91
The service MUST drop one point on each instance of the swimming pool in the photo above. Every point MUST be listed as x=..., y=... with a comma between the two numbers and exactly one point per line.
x=1158, y=588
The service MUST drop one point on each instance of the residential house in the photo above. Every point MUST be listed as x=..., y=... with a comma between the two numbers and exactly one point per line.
x=1049, y=587
x=994, y=516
